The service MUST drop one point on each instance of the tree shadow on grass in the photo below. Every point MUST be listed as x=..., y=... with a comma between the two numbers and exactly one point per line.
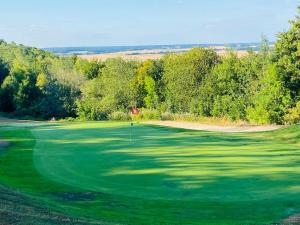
x=143, y=153
x=250, y=180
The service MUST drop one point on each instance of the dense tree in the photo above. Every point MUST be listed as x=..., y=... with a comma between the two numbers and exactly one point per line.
x=4, y=70
x=270, y=102
x=226, y=92
x=229, y=88
x=287, y=51
x=109, y=93
x=90, y=69
x=19, y=90
x=89, y=106
x=183, y=75
x=293, y=115
x=39, y=84
x=145, y=86
x=117, y=76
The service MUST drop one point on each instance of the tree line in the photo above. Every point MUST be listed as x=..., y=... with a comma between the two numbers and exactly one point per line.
x=261, y=87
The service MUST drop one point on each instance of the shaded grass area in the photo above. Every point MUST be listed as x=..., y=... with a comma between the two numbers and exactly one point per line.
x=164, y=176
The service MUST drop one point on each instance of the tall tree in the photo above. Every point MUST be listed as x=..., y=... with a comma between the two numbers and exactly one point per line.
x=145, y=86
x=272, y=99
x=4, y=70
x=183, y=75
x=287, y=51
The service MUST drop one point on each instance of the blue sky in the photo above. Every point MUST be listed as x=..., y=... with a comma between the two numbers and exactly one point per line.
x=43, y=23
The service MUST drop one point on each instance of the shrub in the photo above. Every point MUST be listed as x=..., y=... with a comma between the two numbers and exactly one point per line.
x=149, y=114
x=167, y=116
x=293, y=115
x=188, y=117
x=185, y=117
x=69, y=119
x=119, y=116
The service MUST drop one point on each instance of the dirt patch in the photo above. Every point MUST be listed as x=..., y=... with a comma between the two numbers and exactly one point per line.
x=215, y=128
x=292, y=220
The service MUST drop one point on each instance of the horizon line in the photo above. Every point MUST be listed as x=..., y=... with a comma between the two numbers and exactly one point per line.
x=149, y=45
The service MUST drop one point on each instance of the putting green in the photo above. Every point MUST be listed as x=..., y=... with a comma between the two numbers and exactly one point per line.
x=94, y=171
x=170, y=164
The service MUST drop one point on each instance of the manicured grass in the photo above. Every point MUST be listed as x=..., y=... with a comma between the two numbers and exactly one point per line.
x=162, y=176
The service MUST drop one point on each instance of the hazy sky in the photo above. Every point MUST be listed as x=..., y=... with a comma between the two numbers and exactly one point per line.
x=49, y=23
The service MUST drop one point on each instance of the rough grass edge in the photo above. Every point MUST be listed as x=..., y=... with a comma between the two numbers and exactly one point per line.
x=152, y=115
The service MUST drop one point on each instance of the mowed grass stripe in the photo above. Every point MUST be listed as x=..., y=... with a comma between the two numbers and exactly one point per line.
x=185, y=177
x=163, y=163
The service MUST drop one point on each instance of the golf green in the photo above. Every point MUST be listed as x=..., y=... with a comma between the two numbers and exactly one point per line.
x=171, y=176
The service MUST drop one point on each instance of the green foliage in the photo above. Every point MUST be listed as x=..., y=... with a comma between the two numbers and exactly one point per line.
x=90, y=69
x=89, y=106
x=108, y=93
x=119, y=116
x=38, y=83
x=293, y=115
x=19, y=91
x=145, y=85
x=180, y=117
x=149, y=114
x=166, y=116
x=183, y=74
x=138, y=84
x=226, y=92
x=287, y=57
x=270, y=102
x=151, y=99
x=4, y=70
x=228, y=89
x=116, y=78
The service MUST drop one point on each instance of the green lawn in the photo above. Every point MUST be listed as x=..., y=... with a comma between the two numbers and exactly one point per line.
x=163, y=176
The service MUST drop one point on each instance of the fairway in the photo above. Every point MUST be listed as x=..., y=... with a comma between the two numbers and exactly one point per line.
x=186, y=177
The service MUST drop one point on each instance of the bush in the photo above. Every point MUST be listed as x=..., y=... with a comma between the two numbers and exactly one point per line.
x=119, y=116
x=149, y=114
x=179, y=117
x=91, y=109
x=293, y=115
x=185, y=117
x=188, y=117
x=69, y=119
x=167, y=116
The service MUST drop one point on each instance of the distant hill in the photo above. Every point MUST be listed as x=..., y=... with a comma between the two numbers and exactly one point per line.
x=170, y=48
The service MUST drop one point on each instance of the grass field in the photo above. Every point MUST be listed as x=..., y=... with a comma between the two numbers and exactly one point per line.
x=94, y=173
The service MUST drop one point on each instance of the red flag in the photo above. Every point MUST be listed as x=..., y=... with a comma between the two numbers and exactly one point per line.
x=135, y=111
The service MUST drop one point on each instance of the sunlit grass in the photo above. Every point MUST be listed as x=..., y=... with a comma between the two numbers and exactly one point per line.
x=186, y=177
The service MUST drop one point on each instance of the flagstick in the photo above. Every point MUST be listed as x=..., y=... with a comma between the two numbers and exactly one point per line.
x=131, y=131
x=134, y=111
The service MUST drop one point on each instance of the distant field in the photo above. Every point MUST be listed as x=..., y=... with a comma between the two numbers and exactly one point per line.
x=97, y=172
x=142, y=55
x=148, y=51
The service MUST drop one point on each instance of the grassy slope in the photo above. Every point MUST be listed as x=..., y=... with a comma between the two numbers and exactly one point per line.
x=182, y=176
x=17, y=171
x=17, y=208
